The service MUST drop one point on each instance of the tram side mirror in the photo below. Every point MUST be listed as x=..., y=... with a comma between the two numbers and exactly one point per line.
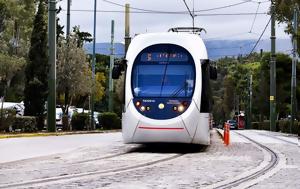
x=116, y=72
x=213, y=72
x=119, y=66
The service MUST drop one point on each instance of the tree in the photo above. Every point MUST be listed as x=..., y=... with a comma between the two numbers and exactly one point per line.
x=74, y=76
x=82, y=36
x=59, y=28
x=284, y=10
x=228, y=95
x=283, y=82
x=9, y=67
x=36, y=84
x=16, y=20
x=3, y=15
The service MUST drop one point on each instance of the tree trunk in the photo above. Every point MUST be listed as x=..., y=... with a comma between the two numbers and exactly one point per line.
x=65, y=109
x=1, y=111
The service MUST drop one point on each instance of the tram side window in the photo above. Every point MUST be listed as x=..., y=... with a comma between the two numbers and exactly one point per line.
x=205, y=95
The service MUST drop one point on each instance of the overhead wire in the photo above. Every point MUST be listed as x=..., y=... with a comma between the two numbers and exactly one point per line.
x=149, y=11
x=170, y=13
x=266, y=1
x=201, y=10
x=254, y=18
x=259, y=37
x=191, y=14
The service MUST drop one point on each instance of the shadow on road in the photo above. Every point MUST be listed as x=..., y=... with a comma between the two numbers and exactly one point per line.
x=169, y=148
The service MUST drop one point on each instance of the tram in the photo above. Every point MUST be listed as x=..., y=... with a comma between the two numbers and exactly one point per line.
x=167, y=94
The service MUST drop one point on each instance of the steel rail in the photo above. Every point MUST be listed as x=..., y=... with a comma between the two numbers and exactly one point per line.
x=271, y=164
x=45, y=181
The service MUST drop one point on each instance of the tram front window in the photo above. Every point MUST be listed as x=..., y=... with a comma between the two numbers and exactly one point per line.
x=168, y=71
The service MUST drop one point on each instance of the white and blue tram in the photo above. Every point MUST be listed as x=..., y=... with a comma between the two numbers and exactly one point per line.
x=167, y=95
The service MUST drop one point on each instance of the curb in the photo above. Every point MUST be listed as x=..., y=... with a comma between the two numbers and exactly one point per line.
x=221, y=133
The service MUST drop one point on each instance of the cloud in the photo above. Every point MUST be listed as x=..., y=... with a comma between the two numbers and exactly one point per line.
x=216, y=26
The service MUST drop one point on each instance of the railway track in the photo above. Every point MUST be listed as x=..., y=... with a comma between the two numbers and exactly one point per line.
x=280, y=139
x=70, y=177
x=245, y=180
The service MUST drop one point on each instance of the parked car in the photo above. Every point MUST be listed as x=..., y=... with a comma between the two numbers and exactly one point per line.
x=17, y=106
x=233, y=124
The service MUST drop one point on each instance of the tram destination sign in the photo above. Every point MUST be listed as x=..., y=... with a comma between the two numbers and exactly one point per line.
x=164, y=56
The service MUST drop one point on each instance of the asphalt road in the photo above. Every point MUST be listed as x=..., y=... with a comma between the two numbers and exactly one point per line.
x=14, y=149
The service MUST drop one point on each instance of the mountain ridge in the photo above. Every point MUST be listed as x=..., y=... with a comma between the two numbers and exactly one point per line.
x=215, y=48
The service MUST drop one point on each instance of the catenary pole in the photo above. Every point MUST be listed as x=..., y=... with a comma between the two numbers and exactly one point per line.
x=111, y=87
x=250, y=102
x=67, y=58
x=68, y=18
x=51, y=102
x=93, y=66
x=273, y=71
x=127, y=27
x=294, y=69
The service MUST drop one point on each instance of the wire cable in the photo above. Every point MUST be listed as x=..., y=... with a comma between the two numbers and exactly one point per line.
x=254, y=18
x=259, y=38
x=170, y=13
x=202, y=10
x=191, y=14
x=257, y=1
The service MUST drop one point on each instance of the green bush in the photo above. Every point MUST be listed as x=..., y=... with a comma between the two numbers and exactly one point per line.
x=255, y=125
x=295, y=128
x=110, y=120
x=80, y=121
x=265, y=125
x=282, y=126
x=25, y=124
x=7, y=117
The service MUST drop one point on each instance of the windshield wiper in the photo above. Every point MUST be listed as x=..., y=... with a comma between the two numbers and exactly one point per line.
x=165, y=73
x=180, y=89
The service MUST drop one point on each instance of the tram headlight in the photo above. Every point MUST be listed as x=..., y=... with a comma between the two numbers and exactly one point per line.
x=175, y=108
x=180, y=108
x=138, y=103
x=185, y=103
x=161, y=106
x=142, y=108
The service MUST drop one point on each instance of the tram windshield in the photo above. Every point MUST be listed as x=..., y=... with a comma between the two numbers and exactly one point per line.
x=163, y=71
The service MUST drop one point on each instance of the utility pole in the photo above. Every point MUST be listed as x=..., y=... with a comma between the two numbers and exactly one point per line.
x=51, y=102
x=127, y=27
x=273, y=72
x=262, y=88
x=250, y=103
x=111, y=87
x=67, y=61
x=294, y=69
x=68, y=18
x=93, y=66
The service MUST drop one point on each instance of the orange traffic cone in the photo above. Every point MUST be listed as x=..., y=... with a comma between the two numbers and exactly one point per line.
x=226, y=134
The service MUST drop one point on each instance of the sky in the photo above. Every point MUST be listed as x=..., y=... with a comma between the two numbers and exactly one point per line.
x=218, y=27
